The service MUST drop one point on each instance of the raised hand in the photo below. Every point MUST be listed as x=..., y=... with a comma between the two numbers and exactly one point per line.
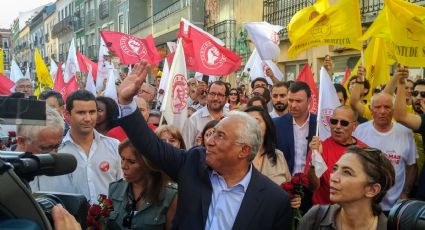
x=402, y=73
x=132, y=83
x=361, y=72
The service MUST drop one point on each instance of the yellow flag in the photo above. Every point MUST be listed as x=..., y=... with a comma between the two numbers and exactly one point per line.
x=302, y=17
x=1, y=61
x=339, y=25
x=377, y=67
x=402, y=24
x=41, y=70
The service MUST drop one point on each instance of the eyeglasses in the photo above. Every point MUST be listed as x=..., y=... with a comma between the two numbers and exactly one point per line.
x=212, y=94
x=343, y=123
x=256, y=94
x=416, y=93
x=233, y=94
x=49, y=148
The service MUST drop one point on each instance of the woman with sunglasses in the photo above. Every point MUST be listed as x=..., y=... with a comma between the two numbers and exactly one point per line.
x=234, y=99
x=143, y=199
x=359, y=180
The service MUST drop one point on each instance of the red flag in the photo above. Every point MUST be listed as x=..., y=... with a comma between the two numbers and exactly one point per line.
x=346, y=75
x=131, y=49
x=85, y=63
x=70, y=87
x=307, y=76
x=59, y=85
x=205, y=55
x=6, y=85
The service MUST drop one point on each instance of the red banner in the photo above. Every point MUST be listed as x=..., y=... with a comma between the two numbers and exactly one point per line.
x=307, y=76
x=85, y=63
x=131, y=49
x=5, y=85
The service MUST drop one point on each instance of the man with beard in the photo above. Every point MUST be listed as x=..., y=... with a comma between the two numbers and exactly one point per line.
x=215, y=110
x=395, y=141
x=279, y=99
x=342, y=125
x=416, y=122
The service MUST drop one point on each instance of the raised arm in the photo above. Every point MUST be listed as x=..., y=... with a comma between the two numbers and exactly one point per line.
x=412, y=121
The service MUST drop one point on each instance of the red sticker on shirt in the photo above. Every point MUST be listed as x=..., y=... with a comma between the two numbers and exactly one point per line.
x=104, y=166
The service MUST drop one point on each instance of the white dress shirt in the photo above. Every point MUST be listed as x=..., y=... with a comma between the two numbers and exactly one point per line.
x=300, y=144
x=96, y=170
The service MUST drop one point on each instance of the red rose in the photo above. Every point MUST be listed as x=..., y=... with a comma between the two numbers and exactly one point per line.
x=288, y=186
x=105, y=212
x=295, y=179
x=90, y=220
x=107, y=203
x=94, y=210
x=304, y=180
x=101, y=198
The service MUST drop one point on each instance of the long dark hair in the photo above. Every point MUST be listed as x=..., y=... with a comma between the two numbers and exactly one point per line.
x=156, y=178
x=269, y=141
x=238, y=97
x=112, y=110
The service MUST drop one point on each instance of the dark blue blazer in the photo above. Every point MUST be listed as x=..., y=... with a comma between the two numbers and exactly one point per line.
x=264, y=206
x=285, y=136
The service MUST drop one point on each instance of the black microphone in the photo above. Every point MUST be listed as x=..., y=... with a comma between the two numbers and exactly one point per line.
x=28, y=165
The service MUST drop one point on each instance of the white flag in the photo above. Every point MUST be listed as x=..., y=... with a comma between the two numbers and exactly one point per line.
x=71, y=65
x=90, y=83
x=111, y=88
x=164, y=77
x=254, y=66
x=328, y=101
x=265, y=37
x=53, y=69
x=15, y=72
x=174, y=106
x=103, y=66
x=27, y=72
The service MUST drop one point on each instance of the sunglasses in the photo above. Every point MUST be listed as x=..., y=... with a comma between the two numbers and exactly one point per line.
x=343, y=123
x=233, y=94
x=416, y=93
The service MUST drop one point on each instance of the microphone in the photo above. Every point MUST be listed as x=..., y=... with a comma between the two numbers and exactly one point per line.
x=28, y=165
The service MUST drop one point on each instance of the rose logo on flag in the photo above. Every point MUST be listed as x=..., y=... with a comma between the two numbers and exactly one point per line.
x=326, y=116
x=132, y=47
x=178, y=94
x=104, y=166
x=211, y=57
x=275, y=38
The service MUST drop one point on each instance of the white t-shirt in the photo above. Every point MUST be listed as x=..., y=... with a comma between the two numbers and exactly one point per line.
x=96, y=171
x=399, y=147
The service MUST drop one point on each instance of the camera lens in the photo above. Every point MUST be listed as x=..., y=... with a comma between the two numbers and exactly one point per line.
x=47, y=202
x=407, y=213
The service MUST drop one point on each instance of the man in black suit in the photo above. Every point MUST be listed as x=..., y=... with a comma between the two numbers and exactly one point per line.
x=218, y=188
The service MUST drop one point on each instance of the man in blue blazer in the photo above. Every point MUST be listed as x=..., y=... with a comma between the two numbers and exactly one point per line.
x=295, y=130
x=218, y=188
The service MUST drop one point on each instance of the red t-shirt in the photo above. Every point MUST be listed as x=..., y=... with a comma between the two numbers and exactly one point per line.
x=119, y=134
x=331, y=154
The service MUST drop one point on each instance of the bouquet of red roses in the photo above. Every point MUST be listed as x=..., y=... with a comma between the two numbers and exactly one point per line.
x=97, y=217
x=295, y=187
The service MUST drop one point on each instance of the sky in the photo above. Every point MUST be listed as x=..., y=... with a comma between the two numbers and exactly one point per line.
x=11, y=10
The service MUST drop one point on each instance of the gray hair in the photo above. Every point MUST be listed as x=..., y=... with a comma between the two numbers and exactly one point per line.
x=20, y=80
x=53, y=120
x=375, y=96
x=249, y=133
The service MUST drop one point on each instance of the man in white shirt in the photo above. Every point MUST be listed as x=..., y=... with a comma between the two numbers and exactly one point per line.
x=98, y=161
x=395, y=141
x=218, y=93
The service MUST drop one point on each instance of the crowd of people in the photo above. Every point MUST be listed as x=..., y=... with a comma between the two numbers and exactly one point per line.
x=225, y=167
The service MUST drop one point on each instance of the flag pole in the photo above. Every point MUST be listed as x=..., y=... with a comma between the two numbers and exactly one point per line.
x=362, y=57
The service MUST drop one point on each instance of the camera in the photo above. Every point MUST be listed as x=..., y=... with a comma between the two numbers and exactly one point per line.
x=407, y=215
x=17, y=203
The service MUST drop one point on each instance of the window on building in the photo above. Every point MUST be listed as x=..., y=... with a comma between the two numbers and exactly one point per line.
x=292, y=70
x=121, y=23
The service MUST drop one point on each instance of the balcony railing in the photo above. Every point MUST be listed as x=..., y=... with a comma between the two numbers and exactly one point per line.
x=140, y=26
x=64, y=25
x=91, y=17
x=280, y=12
x=79, y=24
x=104, y=9
x=370, y=8
x=226, y=31
x=170, y=9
